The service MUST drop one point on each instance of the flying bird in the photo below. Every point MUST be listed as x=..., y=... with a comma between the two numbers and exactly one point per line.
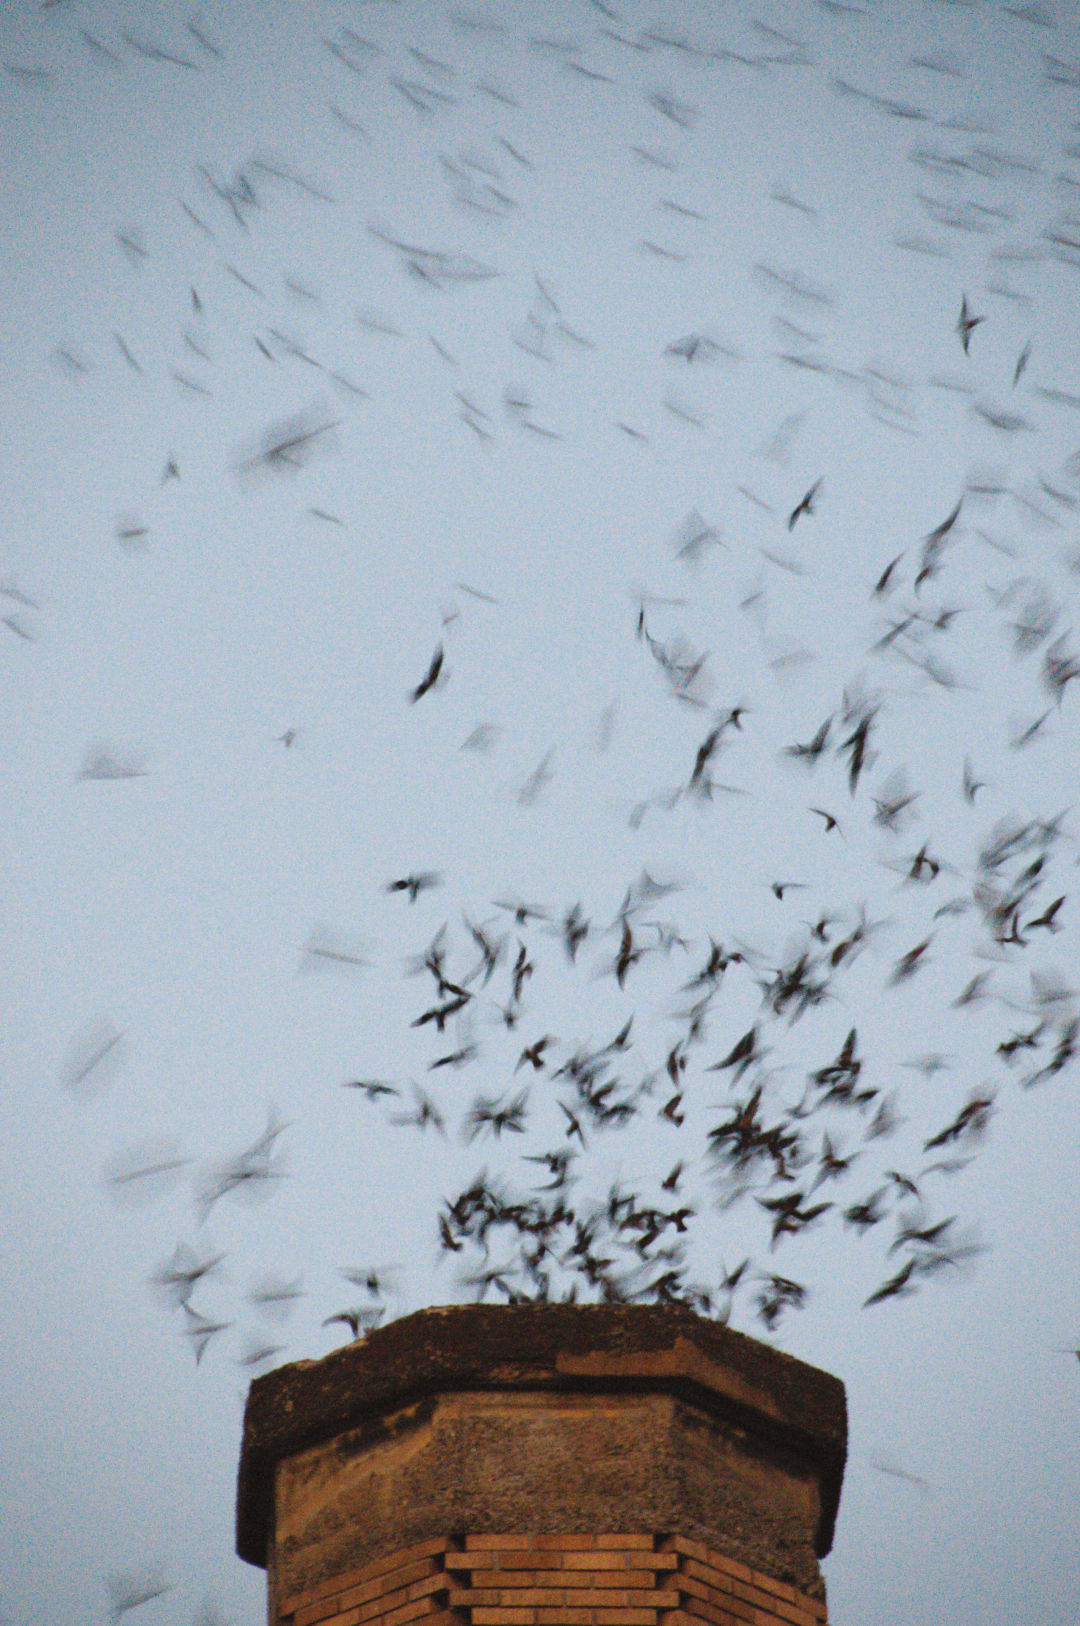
x=426, y=1112
x=895, y=1287
x=741, y=1055
x=430, y=677
x=805, y=505
x=857, y=743
x=907, y=965
x=534, y=1054
x=1021, y=362
x=200, y=1330
x=966, y=323
x=812, y=749
x=882, y=1466
x=628, y=954
x=971, y=785
x=881, y=586
x=416, y=883
x=360, y=1321
x=778, y=888
x=831, y=821
x=440, y=1014
x=129, y=1591
x=946, y=525
x=371, y=1087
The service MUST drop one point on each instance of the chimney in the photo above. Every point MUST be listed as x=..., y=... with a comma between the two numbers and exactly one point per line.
x=543, y=1465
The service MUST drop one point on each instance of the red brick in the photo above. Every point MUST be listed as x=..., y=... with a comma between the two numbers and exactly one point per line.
x=297, y=1600
x=610, y=1559
x=678, y=1617
x=392, y=1581
x=387, y=1604
x=554, y=1580
x=709, y=1576
x=799, y=1609
x=703, y=1609
x=518, y=1578
x=638, y=1580
x=537, y=1576
x=481, y=1542
x=692, y=1589
x=730, y=1566
x=322, y=1609
x=349, y=1578
x=726, y=1582
x=776, y=1608
x=748, y=1602
x=420, y=1609
x=779, y=1589
x=651, y=1601
x=600, y=1598
x=598, y=1562
x=683, y=1544
x=595, y=1617
x=772, y=1587
x=705, y=1555
x=529, y=1597
x=504, y=1617
x=507, y=1560
x=697, y=1611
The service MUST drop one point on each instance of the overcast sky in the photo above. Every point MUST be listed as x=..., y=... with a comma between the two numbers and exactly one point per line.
x=408, y=416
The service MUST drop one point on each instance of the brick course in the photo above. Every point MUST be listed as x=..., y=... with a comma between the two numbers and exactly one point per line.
x=553, y=1580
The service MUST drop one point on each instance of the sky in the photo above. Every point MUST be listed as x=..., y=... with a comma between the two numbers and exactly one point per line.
x=608, y=465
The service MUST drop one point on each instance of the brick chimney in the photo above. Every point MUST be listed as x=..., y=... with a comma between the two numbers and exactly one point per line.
x=527, y=1465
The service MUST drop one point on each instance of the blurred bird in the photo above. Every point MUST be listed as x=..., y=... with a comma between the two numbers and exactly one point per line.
x=895, y=1286
x=359, y=1321
x=430, y=678
x=805, y=505
x=129, y=1591
x=966, y=323
x=426, y=1112
x=416, y=883
x=371, y=1087
x=200, y=1330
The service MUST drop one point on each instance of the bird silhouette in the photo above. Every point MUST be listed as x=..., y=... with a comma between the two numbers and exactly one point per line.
x=805, y=505
x=430, y=677
x=966, y=324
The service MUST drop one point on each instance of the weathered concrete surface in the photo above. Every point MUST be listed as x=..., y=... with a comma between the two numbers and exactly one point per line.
x=541, y=1418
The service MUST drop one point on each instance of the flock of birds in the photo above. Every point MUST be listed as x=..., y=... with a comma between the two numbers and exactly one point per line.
x=735, y=1067
x=794, y=1159
x=800, y=1161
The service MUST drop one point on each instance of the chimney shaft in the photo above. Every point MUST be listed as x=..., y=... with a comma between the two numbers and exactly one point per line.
x=528, y=1465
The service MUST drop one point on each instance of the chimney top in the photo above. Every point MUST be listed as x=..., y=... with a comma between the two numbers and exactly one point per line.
x=619, y=1350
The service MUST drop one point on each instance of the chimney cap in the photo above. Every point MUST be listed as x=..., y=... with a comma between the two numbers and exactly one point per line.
x=562, y=1347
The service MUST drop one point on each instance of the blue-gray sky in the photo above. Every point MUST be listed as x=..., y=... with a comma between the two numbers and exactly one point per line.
x=576, y=303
